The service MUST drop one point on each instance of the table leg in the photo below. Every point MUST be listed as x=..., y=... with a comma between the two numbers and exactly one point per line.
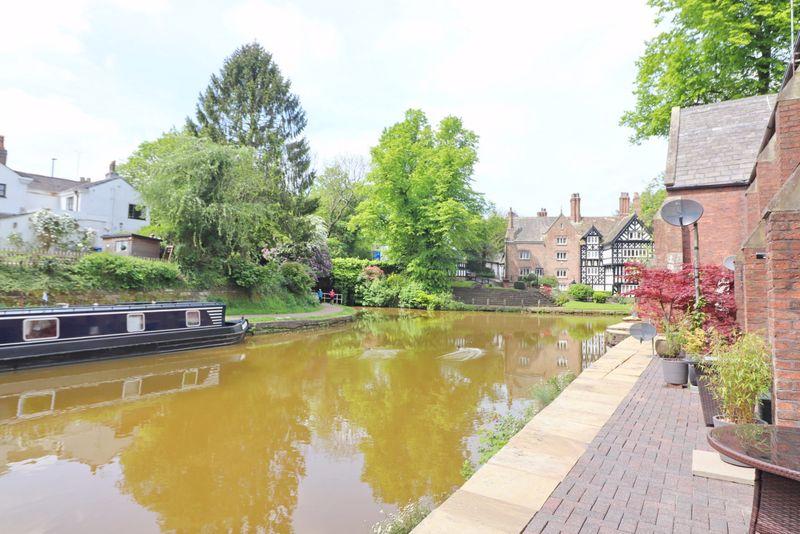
x=756, y=502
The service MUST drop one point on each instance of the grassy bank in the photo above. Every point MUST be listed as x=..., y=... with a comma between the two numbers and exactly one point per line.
x=281, y=316
x=596, y=306
x=274, y=302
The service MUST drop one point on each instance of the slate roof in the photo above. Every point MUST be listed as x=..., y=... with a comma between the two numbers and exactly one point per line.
x=603, y=225
x=531, y=228
x=52, y=184
x=716, y=144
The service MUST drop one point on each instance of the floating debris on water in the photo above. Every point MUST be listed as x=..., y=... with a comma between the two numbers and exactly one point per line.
x=379, y=354
x=463, y=354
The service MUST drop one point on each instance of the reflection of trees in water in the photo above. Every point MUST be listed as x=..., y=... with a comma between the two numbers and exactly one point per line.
x=227, y=459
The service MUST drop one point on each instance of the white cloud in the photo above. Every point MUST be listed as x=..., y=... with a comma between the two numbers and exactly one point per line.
x=297, y=40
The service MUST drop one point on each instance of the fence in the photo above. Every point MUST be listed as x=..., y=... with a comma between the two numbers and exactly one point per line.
x=15, y=258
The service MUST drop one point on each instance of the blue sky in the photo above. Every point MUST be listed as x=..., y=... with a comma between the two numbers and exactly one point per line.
x=542, y=83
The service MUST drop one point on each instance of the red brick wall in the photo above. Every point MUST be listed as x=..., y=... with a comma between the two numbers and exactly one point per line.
x=783, y=297
x=722, y=227
x=751, y=290
x=514, y=263
x=668, y=244
x=562, y=227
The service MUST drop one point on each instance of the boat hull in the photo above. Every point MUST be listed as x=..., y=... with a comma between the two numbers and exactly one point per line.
x=65, y=351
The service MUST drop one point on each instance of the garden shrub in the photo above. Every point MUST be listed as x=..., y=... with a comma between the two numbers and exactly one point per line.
x=600, y=297
x=381, y=292
x=581, y=292
x=561, y=297
x=110, y=271
x=297, y=277
x=346, y=275
x=519, y=285
x=549, y=281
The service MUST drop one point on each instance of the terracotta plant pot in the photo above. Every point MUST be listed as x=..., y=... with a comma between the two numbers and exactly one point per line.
x=675, y=371
x=718, y=421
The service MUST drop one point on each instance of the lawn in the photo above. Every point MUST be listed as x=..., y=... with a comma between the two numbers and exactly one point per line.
x=595, y=306
x=279, y=302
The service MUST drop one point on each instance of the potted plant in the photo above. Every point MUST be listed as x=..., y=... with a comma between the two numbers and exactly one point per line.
x=673, y=366
x=695, y=341
x=708, y=402
x=739, y=375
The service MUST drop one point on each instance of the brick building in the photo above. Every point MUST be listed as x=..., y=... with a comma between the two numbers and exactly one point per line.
x=574, y=248
x=740, y=160
x=712, y=149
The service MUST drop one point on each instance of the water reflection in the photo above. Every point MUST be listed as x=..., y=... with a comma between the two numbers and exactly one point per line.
x=307, y=432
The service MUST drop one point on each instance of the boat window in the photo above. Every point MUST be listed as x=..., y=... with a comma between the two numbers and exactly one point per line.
x=135, y=322
x=35, y=329
x=192, y=317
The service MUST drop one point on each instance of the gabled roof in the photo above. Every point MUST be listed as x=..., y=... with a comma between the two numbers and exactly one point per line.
x=601, y=224
x=716, y=144
x=531, y=228
x=618, y=228
x=52, y=184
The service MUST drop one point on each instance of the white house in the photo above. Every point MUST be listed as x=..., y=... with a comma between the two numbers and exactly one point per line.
x=106, y=206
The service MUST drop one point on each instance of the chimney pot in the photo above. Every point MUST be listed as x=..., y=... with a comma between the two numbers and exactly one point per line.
x=575, y=208
x=624, y=204
x=3, y=151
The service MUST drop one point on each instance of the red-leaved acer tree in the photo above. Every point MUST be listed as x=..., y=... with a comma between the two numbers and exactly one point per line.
x=663, y=295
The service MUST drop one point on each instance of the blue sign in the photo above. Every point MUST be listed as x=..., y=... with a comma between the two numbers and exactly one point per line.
x=376, y=254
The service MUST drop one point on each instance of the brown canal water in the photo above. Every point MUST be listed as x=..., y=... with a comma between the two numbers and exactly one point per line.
x=324, y=431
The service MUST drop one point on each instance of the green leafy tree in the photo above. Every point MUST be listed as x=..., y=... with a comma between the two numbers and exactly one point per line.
x=489, y=241
x=420, y=200
x=713, y=50
x=250, y=104
x=651, y=199
x=339, y=189
x=209, y=199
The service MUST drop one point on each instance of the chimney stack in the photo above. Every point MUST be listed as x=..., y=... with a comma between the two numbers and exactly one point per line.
x=624, y=204
x=510, y=218
x=575, y=207
x=3, y=151
x=542, y=213
x=637, y=204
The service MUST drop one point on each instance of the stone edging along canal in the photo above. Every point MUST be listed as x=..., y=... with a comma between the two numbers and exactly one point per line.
x=299, y=324
x=506, y=492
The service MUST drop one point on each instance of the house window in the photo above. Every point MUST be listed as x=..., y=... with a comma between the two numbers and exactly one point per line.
x=561, y=273
x=135, y=322
x=539, y=271
x=524, y=254
x=120, y=246
x=561, y=256
x=562, y=343
x=135, y=212
x=561, y=240
x=2, y=190
x=70, y=204
x=37, y=329
x=593, y=240
x=192, y=317
x=525, y=271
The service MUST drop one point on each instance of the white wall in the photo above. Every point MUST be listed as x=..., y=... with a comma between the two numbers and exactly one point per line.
x=16, y=191
x=104, y=208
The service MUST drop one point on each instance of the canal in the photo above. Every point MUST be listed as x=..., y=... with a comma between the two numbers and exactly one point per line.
x=322, y=431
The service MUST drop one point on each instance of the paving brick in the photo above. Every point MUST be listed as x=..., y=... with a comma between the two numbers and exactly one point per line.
x=636, y=475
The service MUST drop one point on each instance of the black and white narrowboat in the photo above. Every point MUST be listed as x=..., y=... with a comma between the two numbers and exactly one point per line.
x=32, y=337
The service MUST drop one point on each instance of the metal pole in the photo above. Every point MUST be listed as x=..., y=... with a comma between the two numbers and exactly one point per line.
x=696, y=265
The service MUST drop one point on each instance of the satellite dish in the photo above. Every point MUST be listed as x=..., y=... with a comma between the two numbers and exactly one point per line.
x=681, y=212
x=643, y=331
x=730, y=263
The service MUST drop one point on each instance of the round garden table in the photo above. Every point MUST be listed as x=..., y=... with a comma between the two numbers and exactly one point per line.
x=774, y=451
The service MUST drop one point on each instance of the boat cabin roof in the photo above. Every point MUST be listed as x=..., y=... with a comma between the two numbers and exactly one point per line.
x=122, y=307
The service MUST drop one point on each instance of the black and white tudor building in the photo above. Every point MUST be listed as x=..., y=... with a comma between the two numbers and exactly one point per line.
x=603, y=257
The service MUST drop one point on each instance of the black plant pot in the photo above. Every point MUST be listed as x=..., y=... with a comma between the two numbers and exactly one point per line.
x=707, y=401
x=765, y=409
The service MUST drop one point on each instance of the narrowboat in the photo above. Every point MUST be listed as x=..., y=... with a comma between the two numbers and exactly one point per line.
x=34, y=337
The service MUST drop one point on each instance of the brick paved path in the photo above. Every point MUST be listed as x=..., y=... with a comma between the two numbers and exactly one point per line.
x=636, y=476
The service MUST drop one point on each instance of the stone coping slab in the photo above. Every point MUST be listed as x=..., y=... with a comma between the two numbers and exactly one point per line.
x=708, y=464
x=506, y=492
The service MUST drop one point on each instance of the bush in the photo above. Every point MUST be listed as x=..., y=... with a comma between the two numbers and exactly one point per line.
x=519, y=285
x=346, y=275
x=549, y=281
x=249, y=275
x=740, y=373
x=297, y=277
x=110, y=271
x=561, y=297
x=600, y=297
x=381, y=292
x=581, y=292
